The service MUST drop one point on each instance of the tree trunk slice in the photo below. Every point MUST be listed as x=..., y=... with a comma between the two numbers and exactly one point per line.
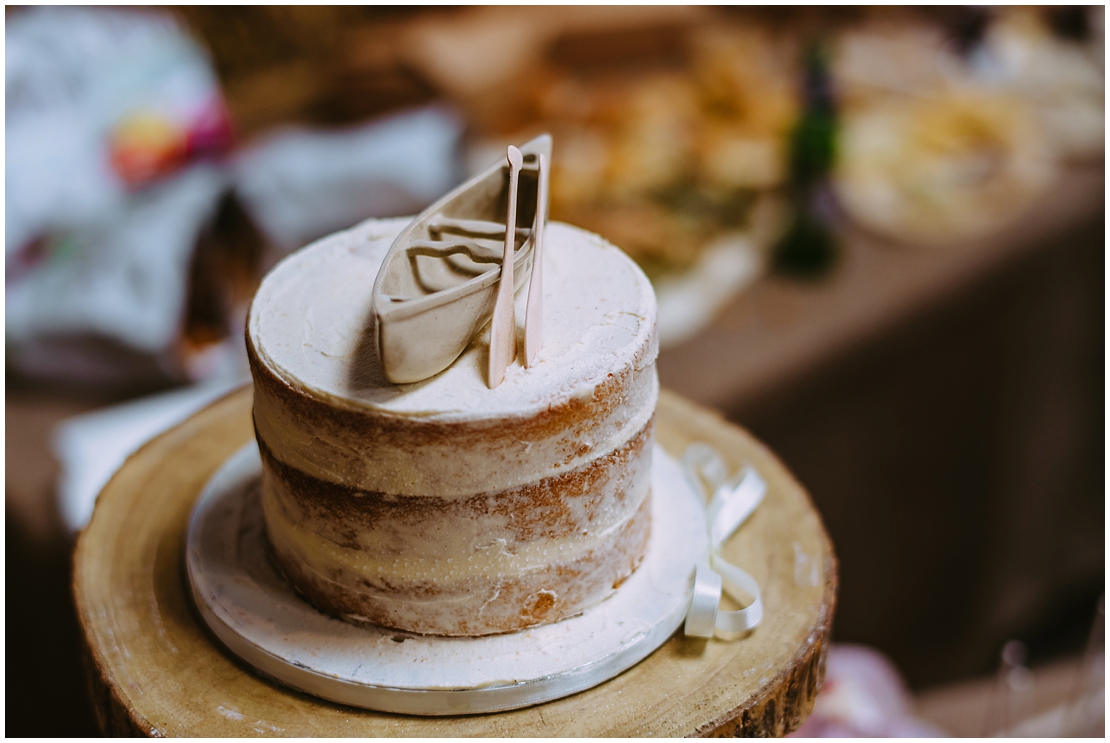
x=154, y=668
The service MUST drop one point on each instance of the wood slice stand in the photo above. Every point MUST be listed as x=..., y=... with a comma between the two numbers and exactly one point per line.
x=155, y=670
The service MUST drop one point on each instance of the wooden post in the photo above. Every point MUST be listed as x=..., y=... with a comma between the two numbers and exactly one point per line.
x=155, y=670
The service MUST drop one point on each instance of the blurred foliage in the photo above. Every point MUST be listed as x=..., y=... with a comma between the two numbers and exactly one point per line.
x=808, y=248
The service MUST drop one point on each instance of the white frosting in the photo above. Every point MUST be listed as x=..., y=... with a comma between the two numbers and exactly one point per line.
x=440, y=557
x=448, y=547
x=311, y=323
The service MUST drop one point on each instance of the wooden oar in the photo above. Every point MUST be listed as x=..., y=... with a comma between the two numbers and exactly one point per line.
x=502, y=334
x=533, y=316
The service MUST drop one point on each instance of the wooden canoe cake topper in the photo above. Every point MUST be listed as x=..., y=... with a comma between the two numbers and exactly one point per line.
x=448, y=273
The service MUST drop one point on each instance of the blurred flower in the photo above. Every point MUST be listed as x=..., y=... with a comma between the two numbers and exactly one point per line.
x=99, y=101
x=864, y=696
x=145, y=144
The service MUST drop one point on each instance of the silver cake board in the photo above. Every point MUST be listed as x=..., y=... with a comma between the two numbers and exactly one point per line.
x=251, y=608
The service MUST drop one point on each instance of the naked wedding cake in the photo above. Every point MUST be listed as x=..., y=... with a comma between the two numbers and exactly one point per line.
x=446, y=506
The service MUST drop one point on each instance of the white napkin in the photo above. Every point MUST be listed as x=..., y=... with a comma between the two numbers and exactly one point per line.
x=92, y=446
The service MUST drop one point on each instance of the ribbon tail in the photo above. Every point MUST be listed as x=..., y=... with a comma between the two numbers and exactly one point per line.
x=702, y=615
x=734, y=581
x=731, y=506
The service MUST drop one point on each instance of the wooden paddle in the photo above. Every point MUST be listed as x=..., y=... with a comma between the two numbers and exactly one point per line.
x=533, y=316
x=502, y=334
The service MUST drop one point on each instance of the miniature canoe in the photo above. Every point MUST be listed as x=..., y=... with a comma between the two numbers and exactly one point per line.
x=437, y=285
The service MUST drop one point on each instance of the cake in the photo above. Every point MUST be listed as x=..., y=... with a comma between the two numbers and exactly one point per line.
x=446, y=507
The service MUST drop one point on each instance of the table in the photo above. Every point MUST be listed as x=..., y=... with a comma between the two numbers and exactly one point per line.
x=156, y=671
x=781, y=330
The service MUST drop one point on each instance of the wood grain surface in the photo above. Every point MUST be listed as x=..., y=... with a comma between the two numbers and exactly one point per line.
x=155, y=670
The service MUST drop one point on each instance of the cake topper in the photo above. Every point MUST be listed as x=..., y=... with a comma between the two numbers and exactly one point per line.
x=447, y=274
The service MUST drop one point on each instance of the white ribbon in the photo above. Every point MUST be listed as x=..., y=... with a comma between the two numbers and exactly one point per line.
x=729, y=503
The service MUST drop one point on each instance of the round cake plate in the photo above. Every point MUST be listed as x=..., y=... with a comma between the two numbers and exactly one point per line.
x=259, y=617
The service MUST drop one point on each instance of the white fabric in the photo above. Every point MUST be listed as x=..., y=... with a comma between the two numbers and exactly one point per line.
x=300, y=184
x=126, y=282
x=91, y=447
x=688, y=302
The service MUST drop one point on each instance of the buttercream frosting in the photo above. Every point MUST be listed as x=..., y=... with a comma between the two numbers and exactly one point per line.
x=445, y=506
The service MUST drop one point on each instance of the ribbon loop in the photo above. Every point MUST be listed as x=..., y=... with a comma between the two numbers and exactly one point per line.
x=734, y=578
x=731, y=506
x=702, y=616
x=705, y=468
x=728, y=504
